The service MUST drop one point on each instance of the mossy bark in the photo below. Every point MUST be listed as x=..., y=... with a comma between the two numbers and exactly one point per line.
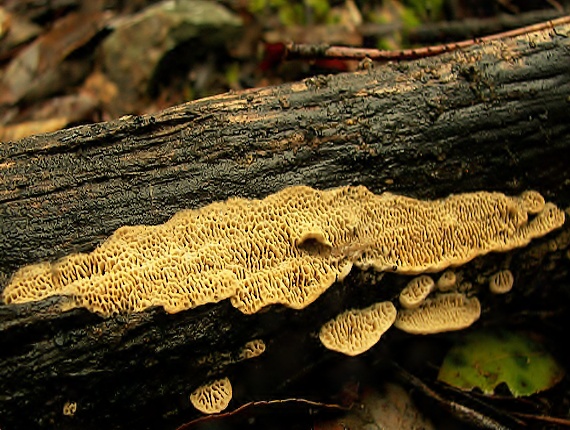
x=494, y=117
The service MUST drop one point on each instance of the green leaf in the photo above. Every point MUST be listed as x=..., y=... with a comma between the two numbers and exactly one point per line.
x=320, y=7
x=484, y=359
x=257, y=6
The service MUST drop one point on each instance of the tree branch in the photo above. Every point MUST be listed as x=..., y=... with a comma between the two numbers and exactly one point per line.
x=490, y=117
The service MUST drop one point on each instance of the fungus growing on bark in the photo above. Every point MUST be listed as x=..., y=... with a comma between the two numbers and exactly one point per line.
x=33, y=282
x=69, y=408
x=416, y=291
x=285, y=249
x=446, y=281
x=213, y=397
x=445, y=312
x=252, y=349
x=532, y=201
x=357, y=330
x=501, y=282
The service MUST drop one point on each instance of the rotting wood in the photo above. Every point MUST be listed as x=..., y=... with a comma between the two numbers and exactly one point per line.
x=494, y=117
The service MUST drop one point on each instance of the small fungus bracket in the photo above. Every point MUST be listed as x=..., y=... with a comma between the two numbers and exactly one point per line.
x=357, y=330
x=501, y=282
x=444, y=312
x=212, y=397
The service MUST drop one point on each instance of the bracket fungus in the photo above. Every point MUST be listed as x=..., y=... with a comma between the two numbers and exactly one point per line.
x=447, y=281
x=416, y=291
x=213, y=397
x=501, y=282
x=532, y=202
x=445, y=312
x=69, y=409
x=287, y=248
x=357, y=330
x=252, y=349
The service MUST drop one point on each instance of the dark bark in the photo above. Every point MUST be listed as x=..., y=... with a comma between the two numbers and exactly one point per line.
x=494, y=117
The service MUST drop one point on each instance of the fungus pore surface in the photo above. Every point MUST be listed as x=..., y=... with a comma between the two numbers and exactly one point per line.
x=213, y=397
x=252, y=349
x=501, y=282
x=446, y=312
x=447, y=281
x=285, y=249
x=357, y=330
x=416, y=291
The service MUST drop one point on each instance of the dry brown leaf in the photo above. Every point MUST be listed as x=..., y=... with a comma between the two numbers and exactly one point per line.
x=52, y=115
x=14, y=31
x=35, y=69
x=100, y=87
x=391, y=408
x=23, y=129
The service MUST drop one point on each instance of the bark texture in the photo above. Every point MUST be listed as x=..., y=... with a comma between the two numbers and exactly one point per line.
x=494, y=117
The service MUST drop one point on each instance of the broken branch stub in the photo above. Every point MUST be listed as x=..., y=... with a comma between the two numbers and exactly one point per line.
x=285, y=249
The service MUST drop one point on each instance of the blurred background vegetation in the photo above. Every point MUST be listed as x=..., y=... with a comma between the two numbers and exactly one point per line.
x=67, y=62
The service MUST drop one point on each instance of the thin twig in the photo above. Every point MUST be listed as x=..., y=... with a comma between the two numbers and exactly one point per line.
x=189, y=424
x=546, y=419
x=308, y=51
x=435, y=32
x=469, y=28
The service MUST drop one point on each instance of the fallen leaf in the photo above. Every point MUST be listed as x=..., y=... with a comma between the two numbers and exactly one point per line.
x=390, y=408
x=36, y=68
x=485, y=359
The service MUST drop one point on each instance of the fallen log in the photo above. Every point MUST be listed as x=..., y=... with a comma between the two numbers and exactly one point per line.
x=491, y=117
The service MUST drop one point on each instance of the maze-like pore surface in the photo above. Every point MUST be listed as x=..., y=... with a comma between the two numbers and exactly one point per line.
x=285, y=249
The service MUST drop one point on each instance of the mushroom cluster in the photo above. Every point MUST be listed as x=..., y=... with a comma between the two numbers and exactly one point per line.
x=450, y=308
x=446, y=311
